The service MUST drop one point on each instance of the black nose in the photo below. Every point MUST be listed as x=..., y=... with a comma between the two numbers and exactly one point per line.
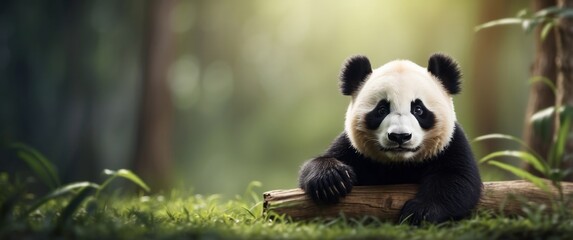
x=399, y=137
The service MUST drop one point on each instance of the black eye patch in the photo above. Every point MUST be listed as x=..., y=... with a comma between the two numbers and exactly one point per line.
x=425, y=117
x=375, y=117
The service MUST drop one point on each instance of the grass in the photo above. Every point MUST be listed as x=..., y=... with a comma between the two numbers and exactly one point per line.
x=47, y=209
x=182, y=214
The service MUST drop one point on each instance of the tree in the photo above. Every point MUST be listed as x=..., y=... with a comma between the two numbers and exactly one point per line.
x=554, y=62
x=153, y=144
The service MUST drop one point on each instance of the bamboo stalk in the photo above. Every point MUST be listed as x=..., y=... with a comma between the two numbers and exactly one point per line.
x=385, y=202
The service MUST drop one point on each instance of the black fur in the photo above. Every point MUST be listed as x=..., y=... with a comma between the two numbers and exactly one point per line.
x=377, y=115
x=353, y=73
x=447, y=71
x=450, y=184
x=427, y=119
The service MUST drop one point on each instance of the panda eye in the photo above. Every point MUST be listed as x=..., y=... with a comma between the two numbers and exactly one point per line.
x=382, y=110
x=418, y=111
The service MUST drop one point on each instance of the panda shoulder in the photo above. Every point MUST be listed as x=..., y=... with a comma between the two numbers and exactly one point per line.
x=458, y=148
x=341, y=148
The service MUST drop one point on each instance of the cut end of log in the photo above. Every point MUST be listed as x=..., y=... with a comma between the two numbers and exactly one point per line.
x=385, y=202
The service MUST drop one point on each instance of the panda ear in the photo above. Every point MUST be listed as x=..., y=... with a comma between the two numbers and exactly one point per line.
x=447, y=71
x=354, y=72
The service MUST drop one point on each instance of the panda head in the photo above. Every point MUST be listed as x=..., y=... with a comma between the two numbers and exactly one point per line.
x=400, y=111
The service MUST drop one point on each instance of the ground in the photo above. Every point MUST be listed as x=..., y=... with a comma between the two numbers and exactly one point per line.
x=181, y=214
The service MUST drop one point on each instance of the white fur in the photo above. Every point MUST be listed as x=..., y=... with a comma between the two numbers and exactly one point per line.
x=400, y=82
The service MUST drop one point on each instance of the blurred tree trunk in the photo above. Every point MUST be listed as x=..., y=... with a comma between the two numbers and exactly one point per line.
x=486, y=55
x=540, y=95
x=554, y=61
x=77, y=101
x=564, y=96
x=153, y=145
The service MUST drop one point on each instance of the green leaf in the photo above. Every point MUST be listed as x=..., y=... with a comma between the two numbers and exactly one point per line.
x=566, y=13
x=499, y=22
x=251, y=191
x=537, y=181
x=561, y=141
x=547, y=12
x=546, y=29
x=545, y=81
x=59, y=192
x=542, y=121
x=522, y=13
x=500, y=136
x=43, y=168
x=529, y=24
x=538, y=164
x=127, y=174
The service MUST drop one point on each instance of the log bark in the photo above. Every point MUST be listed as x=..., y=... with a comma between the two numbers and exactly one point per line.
x=385, y=202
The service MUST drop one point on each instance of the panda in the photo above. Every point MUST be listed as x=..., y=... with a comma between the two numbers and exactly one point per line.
x=400, y=128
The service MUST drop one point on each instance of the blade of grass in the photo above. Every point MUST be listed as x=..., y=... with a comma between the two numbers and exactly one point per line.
x=566, y=13
x=251, y=191
x=69, y=210
x=548, y=11
x=531, y=23
x=499, y=22
x=38, y=170
x=546, y=30
x=538, y=164
x=546, y=116
x=537, y=181
x=500, y=136
x=124, y=173
x=543, y=79
x=542, y=122
x=561, y=141
x=59, y=192
x=39, y=164
x=508, y=137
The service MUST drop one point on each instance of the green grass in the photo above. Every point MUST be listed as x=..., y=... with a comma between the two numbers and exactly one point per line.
x=184, y=215
x=46, y=208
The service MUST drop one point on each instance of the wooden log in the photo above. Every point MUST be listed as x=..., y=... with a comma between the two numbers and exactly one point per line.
x=385, y=202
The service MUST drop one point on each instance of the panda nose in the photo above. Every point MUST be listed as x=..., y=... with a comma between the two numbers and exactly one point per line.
x=399, y=137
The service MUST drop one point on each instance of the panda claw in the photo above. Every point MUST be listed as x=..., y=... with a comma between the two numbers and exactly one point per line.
x=332, y=192
x=326, y=184
x=336, y=190
x=325, y=194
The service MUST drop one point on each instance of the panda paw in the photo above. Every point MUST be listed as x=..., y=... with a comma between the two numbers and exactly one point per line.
x=326, y=180
x=416, y=211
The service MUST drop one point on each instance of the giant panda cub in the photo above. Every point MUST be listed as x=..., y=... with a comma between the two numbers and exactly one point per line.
x=400, y=127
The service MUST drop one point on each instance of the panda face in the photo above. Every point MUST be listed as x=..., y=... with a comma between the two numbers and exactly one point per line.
x=400, y=112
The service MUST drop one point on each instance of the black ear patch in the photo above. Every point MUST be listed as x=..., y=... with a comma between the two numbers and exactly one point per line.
x=353, y=73
x=447, y=71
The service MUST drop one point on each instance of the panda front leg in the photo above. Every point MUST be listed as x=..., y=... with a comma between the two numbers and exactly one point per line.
x=326, y=179
x=442, y=198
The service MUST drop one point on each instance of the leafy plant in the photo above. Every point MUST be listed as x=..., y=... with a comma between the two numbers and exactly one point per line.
x=183, y=215
x=80, y=191
x=548, y=166
x=552, y=124
x=547, y=18
x=39, y=164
